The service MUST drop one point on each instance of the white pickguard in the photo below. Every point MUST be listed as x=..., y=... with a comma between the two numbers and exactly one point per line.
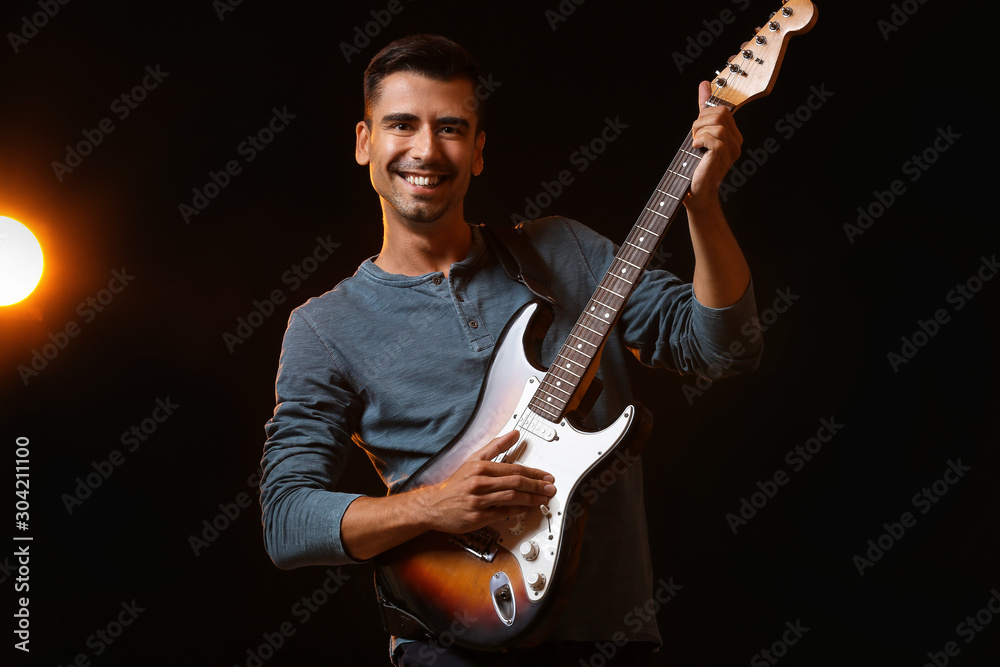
x=567, y=454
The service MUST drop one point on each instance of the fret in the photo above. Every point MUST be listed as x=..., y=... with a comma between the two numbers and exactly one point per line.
x=607, y=315
x=624, y=280
x=567, y=370
x=599, y=318
x=594, y=300
x=570, y=383
x=559, y=389
x=594, y=345
x=574, y=360
x=551, y=395
x=541, y=407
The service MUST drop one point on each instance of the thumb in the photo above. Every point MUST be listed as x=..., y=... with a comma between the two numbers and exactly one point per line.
x=704, y=92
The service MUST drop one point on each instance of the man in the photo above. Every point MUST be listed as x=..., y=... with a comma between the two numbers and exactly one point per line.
x=392, y=358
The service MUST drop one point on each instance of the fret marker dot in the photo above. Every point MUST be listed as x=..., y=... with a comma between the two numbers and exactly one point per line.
x=558, y=384
x=642, y=238
x=661, y=203
x=607, y=314
x=579, y=346
x=623, y=270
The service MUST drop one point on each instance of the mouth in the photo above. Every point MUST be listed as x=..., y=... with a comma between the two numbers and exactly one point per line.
x=423, y=181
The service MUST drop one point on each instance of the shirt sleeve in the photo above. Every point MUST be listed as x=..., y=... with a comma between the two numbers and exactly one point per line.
x=308, y=441
x=664, y=324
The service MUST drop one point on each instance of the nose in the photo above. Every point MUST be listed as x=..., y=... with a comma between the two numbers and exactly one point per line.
x=425, y=145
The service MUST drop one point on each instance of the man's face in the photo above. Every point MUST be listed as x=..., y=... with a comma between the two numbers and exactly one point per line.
x=421, y=147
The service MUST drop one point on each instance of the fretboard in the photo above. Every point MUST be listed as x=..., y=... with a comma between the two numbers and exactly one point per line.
x=587, y=337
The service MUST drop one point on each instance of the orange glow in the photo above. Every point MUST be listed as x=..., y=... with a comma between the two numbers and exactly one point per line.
x=20, y=261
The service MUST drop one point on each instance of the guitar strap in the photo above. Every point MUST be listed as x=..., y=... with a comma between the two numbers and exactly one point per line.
x=397, y=622
x=519, y=259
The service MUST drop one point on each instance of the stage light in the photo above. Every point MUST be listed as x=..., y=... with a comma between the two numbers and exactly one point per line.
x=20, y=261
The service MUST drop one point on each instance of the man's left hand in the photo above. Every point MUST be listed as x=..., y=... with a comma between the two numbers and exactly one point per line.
x=715, y=130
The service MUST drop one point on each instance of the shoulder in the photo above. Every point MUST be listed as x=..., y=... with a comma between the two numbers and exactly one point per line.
x=556, y=228
x=325, y=314
x=565, y=243
x=558, y=236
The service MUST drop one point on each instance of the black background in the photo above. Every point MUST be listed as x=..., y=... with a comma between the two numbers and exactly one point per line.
x=888, y=94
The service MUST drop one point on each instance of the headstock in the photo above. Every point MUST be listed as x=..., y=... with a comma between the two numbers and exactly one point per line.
x=751, y=72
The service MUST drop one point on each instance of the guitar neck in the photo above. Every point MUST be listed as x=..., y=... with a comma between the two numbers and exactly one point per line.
x=749, y=74
x=570, y=372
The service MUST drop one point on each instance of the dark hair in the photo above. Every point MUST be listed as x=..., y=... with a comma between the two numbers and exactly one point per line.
x=432, y=56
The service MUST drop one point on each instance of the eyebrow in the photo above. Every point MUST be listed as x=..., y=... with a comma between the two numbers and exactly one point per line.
x=409, y=117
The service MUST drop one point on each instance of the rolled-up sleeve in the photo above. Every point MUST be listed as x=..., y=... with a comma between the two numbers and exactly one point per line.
x=308, y=441
x=664, y=324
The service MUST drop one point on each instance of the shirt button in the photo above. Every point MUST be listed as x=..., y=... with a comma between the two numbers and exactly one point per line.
x=474, y=324
x=436, y=280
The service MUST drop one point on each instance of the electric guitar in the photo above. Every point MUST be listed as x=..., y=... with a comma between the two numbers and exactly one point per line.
x=513, y=577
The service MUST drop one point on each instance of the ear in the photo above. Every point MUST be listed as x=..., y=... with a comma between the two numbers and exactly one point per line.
x=477, y=157
x=361, y=143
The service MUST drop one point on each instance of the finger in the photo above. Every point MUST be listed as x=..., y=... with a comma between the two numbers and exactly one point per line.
x=714, y=134
x=713, y=137
x=521, y=483
x=496, y=446
x=515, y=501
x=489, y=476
x=704, y=92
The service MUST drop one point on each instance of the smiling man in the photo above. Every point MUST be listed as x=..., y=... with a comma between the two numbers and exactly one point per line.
x=392, y=358
x=422, y=141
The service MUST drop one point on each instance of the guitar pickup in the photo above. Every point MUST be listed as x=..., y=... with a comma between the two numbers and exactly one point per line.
x=538, y=427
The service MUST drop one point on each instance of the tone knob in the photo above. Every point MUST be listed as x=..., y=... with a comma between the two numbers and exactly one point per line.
x=536, y=581
x=529, y=550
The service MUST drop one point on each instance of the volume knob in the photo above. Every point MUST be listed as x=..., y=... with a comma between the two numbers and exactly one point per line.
x=536, y=581
x=529, y=550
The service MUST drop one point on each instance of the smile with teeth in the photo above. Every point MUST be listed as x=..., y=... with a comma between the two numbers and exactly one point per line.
x=422, y=181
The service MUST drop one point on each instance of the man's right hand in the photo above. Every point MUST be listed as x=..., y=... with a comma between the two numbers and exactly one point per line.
x=481, y=492
x=478, y=493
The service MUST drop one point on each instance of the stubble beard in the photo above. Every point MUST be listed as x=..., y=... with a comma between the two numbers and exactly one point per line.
x=413, y=207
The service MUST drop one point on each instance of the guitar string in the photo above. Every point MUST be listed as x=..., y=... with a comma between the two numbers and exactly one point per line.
x=635, y=256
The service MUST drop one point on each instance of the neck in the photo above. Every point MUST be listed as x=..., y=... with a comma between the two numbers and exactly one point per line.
x=415, y=248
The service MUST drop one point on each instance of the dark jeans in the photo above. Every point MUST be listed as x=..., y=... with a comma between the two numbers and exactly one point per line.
x=554, y=654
